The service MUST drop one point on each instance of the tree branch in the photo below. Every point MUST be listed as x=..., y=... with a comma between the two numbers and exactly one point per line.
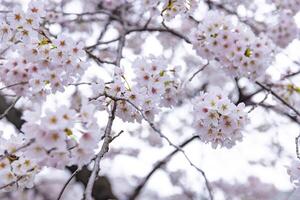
x=104, y=149
x=9, y=108
x=67, y=183
x=158, y=131
x=278, y=97
x=158, y=165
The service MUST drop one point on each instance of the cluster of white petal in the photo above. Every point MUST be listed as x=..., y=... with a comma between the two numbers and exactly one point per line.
x=217, y=120
x=43, y=185
x=291, y=5
x=155, y=86
x=33, y=61
x=62, y=137
x=233, y=44
x=176, y=7
x=170, y=8
x=284, y=31
x=56, y=139
x=17, y=170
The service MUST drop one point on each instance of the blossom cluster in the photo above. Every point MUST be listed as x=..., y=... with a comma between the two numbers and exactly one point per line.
x=176, y=7
x=34, y=63
x=233, y=44
x=284, y=31
x=43, y=185
x=16, y=169
x=291, y=5
x=51, y=139
x=65, y=137
x=154, y=86
x=170, y=8
x=62, y=137
x=217, y=120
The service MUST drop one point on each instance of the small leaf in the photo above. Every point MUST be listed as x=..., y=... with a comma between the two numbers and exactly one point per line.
x=248, y=52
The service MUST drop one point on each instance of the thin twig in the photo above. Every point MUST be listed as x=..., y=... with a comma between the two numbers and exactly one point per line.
x=158, y=165
x=12, y=85
x=290, y=75
x=67, y=183
x=198, y=71
x=114, y=137
x=278, y=97
x=98, y=60
x=178, y=34
x=105, y=12
x=158, y=29
x=279, y=111
x=297, y=146
x=103, y=43
x=259, y=103
x=11, y=183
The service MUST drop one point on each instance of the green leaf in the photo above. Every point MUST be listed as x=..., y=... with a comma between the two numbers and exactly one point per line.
x=248, y=52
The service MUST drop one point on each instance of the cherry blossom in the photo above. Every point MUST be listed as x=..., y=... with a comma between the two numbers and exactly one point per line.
x=153, y=87
x=16, y=169
x=235, y=46
x=284, y=31
x=292, y=5
x=84, y=86
x=217, y=120
x=175, y=7
x=44, y=54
